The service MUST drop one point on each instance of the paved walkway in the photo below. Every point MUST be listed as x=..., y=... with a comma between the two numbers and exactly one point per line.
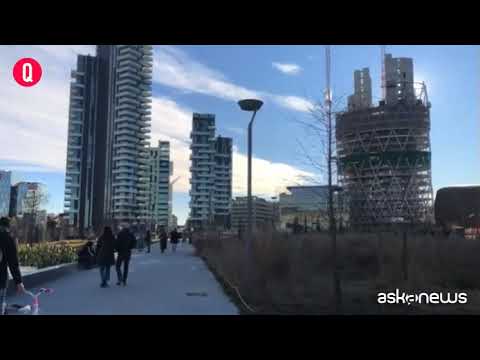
x=158, y=284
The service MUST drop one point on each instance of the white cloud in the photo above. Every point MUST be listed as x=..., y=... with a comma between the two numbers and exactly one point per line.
x=66, y=52
x=34, y=120
x=173, y=122
x=268, y=178
x=175, y=68
x=295, y=103
x=289, y=69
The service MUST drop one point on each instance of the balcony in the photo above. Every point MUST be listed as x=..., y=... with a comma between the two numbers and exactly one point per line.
x=127, y=106
x=74, y=134
x=127, y=126
x=128, y=112
x=125, y=56
x=199, y=145
x=200, y=133
x=128, y=65
x=128, y=49
x=125, y=132
x=128, y=75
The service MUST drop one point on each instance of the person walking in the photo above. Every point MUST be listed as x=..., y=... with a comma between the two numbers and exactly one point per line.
x=8, y=260
x=174, y=237
x=163, y=239
x=125, y=243
x=148, y=240
x=105, y=255
x=190, y=237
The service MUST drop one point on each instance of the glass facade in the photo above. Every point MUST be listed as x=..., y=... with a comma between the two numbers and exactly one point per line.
x=5, y=189
x=160, y=170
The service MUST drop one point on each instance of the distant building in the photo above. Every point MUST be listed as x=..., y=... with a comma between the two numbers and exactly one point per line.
x=174, y=222
x=5, y=189
x=160, y=168
x=307, y=206
x=458, y=206
x=362, y=97
x=211, y=174
x=263, y=213
x=20, y=193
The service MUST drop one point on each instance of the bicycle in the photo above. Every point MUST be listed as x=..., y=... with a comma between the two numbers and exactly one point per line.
x=34, y=308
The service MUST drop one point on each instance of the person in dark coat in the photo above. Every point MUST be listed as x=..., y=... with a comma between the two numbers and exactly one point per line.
x=174, y=237
x=8, y=260
x=105, y=254
x=86, y=256
x=148, y=240
x=125, y=243
x=163, y=240
x=190, y=236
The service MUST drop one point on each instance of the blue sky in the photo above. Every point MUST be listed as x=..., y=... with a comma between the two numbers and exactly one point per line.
x=211, y=79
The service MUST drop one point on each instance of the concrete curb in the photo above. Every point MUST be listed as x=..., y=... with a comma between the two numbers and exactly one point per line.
x=43, y=276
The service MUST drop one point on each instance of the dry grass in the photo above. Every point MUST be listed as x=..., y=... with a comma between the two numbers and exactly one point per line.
x=293, y=273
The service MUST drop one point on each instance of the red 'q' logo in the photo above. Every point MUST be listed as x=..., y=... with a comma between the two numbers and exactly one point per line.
x=27, y=72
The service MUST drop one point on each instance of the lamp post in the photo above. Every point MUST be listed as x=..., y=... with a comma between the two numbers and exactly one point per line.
x=251, y=105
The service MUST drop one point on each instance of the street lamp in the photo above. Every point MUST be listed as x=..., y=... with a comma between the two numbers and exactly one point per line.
x=251, y=105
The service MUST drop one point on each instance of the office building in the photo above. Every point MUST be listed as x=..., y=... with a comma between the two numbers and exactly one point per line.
x=263, y=214
x=211, y=174
x=5, y=189
x=305, y=205
x=173, y=221
x=109, y=124
x=161, y=168
x=23, y=194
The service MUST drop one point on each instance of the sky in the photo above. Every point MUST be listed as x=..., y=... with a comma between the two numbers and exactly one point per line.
x=211, y=79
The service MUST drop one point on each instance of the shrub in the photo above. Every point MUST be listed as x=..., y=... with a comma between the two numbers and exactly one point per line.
x=293, y=273
x=46, y=254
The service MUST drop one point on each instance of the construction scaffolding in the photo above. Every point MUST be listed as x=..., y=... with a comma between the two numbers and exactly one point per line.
x=384, y=157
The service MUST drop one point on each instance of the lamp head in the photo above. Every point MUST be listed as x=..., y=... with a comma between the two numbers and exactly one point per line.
x=250, y=104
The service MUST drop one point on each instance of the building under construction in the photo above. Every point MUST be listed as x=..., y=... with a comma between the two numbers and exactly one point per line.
x=383, y=152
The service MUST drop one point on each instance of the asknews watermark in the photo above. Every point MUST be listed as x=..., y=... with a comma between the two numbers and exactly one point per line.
x=398, y=297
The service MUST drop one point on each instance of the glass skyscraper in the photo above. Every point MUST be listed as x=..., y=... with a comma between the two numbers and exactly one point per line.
x=109, y=126
x=160, y=169
x=5, y=188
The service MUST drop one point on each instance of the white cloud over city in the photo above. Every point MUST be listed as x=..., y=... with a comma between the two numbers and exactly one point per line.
x=175, y=68
x=173, y=122
x=34, y=121
x=288, y=69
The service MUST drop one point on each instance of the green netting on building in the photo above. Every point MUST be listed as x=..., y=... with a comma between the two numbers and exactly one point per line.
x=422, y=159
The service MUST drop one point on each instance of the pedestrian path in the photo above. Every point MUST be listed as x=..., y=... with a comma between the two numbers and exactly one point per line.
x=159, y=284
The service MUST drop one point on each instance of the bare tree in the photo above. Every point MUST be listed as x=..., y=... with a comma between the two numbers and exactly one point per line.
x=34, y=200
x=320, y=155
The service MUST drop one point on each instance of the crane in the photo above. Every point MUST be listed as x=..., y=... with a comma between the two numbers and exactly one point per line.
x=175, y=180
